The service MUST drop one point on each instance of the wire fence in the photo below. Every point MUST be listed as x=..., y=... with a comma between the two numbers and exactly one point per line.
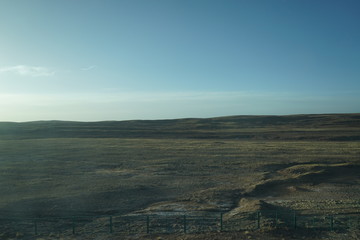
x=179, y=222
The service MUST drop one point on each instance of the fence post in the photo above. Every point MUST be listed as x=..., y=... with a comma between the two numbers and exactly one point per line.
x=313, y=222
x=111, y=224
x=221, y=221
x=147, y=224
x=184, y=223
x=295, y=220
x=73, y=225
x=258, y=219
x=35, y=227
x=331, y=223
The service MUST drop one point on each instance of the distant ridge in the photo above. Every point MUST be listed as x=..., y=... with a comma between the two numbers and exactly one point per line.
x=332, y=127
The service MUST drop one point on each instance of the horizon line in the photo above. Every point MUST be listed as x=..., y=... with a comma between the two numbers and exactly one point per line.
x=185, y=118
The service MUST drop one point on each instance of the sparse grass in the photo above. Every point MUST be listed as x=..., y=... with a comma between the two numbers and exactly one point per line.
x=56, y=168
x=67, y=168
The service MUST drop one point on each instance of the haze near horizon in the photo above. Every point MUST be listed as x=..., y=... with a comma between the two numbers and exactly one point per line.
x=92, y=60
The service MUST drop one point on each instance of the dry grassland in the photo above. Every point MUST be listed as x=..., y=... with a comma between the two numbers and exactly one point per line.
x=62, y=176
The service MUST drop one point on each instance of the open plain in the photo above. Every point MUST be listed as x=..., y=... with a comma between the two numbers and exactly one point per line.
x=309, y=164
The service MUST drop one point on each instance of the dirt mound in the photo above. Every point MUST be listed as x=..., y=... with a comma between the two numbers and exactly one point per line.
x=291, y=179
x=306, y=169
x=247, y=205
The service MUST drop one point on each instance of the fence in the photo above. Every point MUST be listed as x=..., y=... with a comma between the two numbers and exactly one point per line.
x=179, y=222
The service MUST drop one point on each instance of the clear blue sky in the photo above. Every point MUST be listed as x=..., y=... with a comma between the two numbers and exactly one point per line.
x=91, y=60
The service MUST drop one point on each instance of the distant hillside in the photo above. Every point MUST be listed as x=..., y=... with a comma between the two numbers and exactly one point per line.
x=336, y=127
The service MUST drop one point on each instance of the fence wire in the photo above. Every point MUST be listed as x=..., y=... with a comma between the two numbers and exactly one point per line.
x=178, y=222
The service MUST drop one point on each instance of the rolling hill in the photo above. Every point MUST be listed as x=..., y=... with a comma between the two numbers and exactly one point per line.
x=336, y=127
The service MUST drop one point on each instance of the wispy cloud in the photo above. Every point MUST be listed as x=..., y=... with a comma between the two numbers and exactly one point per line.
x=24, y=70
x=88, y=68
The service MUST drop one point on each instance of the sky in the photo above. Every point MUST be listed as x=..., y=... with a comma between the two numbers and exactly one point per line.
x=96, y=60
